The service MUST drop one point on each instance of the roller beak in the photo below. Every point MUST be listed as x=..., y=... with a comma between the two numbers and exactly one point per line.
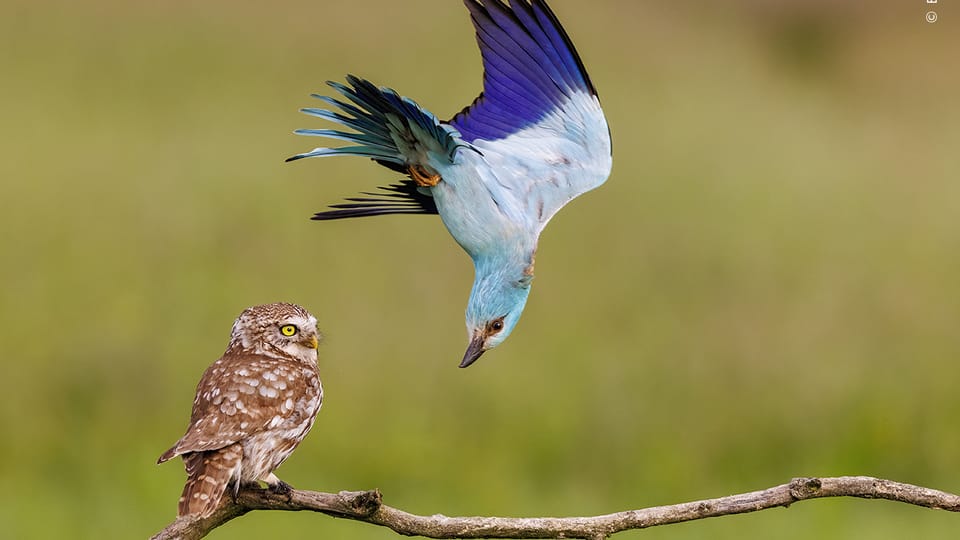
x=474, y=351
x=310, y=343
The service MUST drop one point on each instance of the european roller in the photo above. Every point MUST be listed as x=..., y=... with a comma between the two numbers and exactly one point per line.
x=497, y=171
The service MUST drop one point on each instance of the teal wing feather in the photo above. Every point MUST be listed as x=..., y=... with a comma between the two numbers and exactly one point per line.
x=387, y=127
x=393, y=131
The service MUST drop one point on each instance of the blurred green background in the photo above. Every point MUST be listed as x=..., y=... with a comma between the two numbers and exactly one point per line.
x=767, y=287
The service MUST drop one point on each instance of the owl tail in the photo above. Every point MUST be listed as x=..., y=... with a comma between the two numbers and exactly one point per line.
x=389, y=128
x=208, y=475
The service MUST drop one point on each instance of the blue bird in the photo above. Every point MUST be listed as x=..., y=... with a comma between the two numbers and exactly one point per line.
x=496, y=173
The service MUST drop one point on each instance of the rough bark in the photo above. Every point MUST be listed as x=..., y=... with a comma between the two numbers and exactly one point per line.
x=367, y=506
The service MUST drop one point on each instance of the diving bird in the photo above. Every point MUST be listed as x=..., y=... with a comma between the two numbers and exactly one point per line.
x=497, y=171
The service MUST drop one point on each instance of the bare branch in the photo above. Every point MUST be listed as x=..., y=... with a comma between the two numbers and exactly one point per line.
x=367, y=506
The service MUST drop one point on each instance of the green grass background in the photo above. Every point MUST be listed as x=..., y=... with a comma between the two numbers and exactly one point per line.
x=767, y=287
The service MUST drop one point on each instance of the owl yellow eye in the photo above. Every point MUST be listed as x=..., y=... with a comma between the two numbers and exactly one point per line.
x=288, y=329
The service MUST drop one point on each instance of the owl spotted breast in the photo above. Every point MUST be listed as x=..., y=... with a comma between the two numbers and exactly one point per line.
x=253, y=406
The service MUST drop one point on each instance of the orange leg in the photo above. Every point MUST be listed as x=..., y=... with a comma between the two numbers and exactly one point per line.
x=422, y=178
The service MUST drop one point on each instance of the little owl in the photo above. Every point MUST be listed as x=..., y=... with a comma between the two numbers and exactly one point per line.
x=253, y=406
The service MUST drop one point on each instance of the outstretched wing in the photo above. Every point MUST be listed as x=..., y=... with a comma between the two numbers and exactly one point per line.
x=539, y=116
x=538, y=120
x=530, y=69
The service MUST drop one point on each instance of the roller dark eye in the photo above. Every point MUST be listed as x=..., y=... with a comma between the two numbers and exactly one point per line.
x=497, y=325
x=288, y=330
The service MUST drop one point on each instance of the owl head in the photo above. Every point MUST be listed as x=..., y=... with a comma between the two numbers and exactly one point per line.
x=271, y=327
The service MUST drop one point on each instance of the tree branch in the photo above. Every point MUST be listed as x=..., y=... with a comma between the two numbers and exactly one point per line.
x=367, y=506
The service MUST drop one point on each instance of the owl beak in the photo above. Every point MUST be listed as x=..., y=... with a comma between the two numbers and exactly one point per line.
x=474, y=350
x=310, y=343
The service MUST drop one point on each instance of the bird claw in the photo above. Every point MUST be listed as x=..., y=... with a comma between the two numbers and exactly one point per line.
x=280, y=488
x=423, y=178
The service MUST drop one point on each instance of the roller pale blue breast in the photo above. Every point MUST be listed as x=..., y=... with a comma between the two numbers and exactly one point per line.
x=496, y=173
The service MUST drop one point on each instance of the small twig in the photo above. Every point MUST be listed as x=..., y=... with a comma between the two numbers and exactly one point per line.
x=367, y=506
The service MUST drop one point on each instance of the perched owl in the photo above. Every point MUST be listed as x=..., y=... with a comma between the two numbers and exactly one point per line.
x=253, y=407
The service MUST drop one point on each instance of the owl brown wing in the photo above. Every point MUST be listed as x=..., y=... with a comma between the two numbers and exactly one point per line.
x=242, y=394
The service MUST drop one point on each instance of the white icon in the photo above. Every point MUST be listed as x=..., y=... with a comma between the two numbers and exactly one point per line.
x=931, y=1
x=931, y=16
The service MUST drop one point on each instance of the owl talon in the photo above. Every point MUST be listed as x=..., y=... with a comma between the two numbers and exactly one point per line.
x=423, y=178
x=280, y=488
